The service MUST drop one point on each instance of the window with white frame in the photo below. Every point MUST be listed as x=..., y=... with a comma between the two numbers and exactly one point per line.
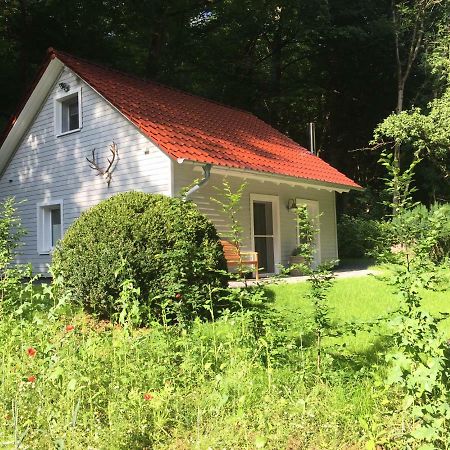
x=50, y=225
x=68, y=112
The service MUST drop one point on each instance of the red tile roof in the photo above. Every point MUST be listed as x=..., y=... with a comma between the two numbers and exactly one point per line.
x=196, y=129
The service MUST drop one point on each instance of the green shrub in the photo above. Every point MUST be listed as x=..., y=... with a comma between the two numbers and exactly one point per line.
x=357, y=236
x=11, y=274
x=417, y=222
x=165, y=246
x=11, y=232
x=442, y=249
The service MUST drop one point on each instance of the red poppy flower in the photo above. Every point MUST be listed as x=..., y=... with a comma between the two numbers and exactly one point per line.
x=31, y=352
x=31, y=379
x=148, y=396
x=178, y=296
x=69, y=328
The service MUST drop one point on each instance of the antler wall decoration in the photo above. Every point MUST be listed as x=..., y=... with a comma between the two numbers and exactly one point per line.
x=112, y=163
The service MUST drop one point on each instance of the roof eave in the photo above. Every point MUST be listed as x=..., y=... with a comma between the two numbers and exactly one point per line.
x=21, y=121
x=277, y=178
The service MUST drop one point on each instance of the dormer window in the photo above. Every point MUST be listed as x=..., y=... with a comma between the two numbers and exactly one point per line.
x=68, y=112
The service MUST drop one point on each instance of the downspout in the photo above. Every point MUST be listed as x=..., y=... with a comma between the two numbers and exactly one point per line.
x=204, y=180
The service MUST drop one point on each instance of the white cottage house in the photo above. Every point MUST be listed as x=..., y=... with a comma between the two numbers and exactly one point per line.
x=164, y=140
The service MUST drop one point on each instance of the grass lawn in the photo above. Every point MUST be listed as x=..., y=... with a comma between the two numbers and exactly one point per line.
x=247, y=380
x=358, y=300
x=361, y=298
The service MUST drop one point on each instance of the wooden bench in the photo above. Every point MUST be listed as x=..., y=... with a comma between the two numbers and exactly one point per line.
x=234, y=259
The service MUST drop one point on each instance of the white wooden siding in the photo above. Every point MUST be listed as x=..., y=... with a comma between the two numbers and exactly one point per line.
x=184, y=174
x=45, y=166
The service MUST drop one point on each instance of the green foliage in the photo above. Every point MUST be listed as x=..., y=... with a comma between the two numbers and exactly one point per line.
x=306, y=232
x=129, y=305
x=398, y=181
x=305, y=59
x=425, y=132
x=420, y=362
x=163, y=246
x=406, y=127
x=11, y=274
x=242, y=380
x=358, y=236
x=321, y=278
x=437, y=58
x=416, y=224
x=230, y=204
x=11, y=232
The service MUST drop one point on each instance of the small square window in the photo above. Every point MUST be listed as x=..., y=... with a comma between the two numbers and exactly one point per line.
x=50, y=227
x=68, y=113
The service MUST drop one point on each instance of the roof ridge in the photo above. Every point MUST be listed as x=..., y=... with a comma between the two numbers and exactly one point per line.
x=52, y=51
x=55, y=52
x=188, y=126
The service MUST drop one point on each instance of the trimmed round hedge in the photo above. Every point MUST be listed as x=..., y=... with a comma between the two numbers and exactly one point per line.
x=164, y=245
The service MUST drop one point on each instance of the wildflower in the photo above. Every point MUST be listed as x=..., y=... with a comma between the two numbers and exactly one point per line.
x=69, y=328
x=8, y=416
x=31, y=379
x=148, y=396
x=31, y=352
x=178, y=296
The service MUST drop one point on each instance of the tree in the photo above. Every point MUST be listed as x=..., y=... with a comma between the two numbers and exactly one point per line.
x=426, y=133
x=415, y=27
x=288, y=61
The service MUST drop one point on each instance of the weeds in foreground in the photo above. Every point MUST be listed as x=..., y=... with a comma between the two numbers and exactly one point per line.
x=320, y=278
x=420, y=361
x=243, y=380
x=246, y=379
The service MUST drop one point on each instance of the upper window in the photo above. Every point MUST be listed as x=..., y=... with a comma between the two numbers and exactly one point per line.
x=68, y=112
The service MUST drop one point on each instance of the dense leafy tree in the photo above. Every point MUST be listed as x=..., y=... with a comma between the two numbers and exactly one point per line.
x=288, y=61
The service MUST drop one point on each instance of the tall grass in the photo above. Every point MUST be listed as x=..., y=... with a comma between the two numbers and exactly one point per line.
x=245, y=380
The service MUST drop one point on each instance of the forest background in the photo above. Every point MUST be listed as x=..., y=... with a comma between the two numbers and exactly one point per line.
x=345, y=65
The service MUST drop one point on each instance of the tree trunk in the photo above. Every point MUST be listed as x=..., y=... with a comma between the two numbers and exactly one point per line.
x=400, y=96
x=404, y=66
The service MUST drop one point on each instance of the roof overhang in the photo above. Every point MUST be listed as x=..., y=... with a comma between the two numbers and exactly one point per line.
x=275, y=178
x=21, y=123
x=48, y=76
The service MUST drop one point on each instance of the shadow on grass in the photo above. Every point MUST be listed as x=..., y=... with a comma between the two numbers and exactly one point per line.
x=349, y=264
x=306, y=340
x=356, y=361
x=138, y=441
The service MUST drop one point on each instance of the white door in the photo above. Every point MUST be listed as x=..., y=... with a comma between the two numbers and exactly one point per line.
x=314, y=215
x=265, y=231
